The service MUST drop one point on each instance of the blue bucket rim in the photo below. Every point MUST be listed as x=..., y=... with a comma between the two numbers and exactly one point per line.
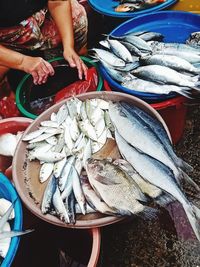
x=11, y=194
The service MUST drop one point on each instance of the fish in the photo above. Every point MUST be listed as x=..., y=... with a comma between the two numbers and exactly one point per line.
x=142, y=137
x=78, y=191
x=162, y=74
x=62, y=114
x=115, y=187
x=161, y=133
x=33, y=135
x=117, y=75
x=65, y=173
x=48, y=194
x=94, y=199
x=109, y=57
x=155, y=193
x=160, y=175
x=7, y=213
x=174, y=47
x=4, y=206
x=120, y=50
x=45, y=171
x=59, y=206
x=144, y=86
x=171, y=61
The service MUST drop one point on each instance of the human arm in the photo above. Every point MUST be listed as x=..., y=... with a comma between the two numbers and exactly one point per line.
x=36, y=66
x=62, y=15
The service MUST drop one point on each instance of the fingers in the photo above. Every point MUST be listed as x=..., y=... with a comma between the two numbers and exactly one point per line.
x=41, y=73
x=79, y=64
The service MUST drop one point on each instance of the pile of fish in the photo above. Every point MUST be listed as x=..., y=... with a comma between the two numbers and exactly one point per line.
x=7, y=215
x=142, y=62
x=62, y=145
x=148, y=171
x=136, y=5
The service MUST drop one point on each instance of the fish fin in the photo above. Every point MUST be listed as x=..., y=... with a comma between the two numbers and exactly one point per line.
x=189, y=180
x=148, y=213
x=104, y=180
x=14, y=233
x=185, y=166
x=164, y=200
x=196, y=211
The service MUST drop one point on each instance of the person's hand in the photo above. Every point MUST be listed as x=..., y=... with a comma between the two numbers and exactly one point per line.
x=39, y=68
x=75, y=62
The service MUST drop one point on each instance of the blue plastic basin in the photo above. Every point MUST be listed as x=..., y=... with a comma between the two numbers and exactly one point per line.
x=176, y=26
x=106, y=7
x=8, y=192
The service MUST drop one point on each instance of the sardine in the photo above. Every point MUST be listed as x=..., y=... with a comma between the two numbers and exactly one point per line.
x=48, y=194
x=60, y=207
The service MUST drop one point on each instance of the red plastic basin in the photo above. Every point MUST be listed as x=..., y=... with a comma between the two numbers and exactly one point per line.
x=173, y=111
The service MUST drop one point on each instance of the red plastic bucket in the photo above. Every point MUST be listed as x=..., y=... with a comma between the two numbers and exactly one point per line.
x=173, y=111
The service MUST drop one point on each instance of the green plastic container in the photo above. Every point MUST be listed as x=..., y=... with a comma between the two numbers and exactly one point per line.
x=27, y=92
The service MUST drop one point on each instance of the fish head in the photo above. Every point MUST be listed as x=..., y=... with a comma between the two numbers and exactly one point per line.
x=94, y=165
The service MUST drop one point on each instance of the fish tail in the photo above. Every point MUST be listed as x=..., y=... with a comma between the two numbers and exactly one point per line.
x=148, y=213
x=164, y=200
x=186, y=93
x=184, y=165
x=192, y=215
x=189, y=180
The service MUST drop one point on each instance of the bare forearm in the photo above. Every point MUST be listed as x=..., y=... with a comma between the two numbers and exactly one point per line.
x=10, y=58
x=62, y=15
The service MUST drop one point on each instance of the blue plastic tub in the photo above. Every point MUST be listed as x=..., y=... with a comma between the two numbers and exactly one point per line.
x=176, y=26
x=106, y=7
x=8, y=191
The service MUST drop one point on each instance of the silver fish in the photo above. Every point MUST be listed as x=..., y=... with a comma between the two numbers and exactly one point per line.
x=162, y=74
x=45, y=171
x=144, y=86
x=171, y=61
x=78, y=191
x=141, y=137
x=48, y=194
x=159, y=175
x=59, y=206
x=109, y=57
x=120, y=50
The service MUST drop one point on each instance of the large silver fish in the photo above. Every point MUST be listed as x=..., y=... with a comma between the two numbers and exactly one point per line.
x=159, y=175
x=139, y=135
x=171, y=61
x=162, y=74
